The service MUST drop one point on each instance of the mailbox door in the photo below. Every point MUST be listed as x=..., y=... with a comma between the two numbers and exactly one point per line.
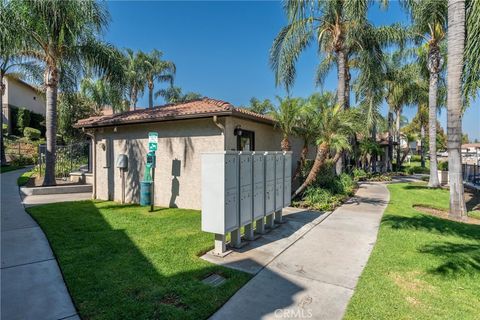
x=245, y=205
x=279, y=195
x=231, y=171
x=279, y=167
x=258, y=200
x=231, y=209
x=269, y=197
x=270, y=167
x=288, y=165
x=245, y=169
x=287, y=192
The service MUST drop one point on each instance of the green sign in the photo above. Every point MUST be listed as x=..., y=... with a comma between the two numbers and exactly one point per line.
x=152, y=141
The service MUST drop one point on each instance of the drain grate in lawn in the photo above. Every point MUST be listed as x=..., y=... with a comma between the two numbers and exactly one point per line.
x=214, y=280
x=122, y=262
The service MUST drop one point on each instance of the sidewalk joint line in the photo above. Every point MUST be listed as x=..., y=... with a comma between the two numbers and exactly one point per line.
x=28, y=263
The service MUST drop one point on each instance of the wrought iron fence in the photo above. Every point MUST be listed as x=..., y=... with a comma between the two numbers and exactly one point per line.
x=69, y=158
x=471, y=173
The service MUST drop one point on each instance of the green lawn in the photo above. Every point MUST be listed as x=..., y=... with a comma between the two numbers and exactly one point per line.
x=422, y=267
x=9, y=168
x=122, y=262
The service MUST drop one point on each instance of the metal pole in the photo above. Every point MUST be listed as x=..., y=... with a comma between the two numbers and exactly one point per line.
x=152, y=200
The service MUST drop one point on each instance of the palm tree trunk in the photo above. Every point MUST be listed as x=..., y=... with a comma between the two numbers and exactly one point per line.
x=422, y=146
x=433, y=182
x=456, y=43
x=347, y=85
x=51, y=83
x=390, y=141
x=133, y=100
x=322, y=152
x=398, y=112
x=341, y=85
x=374, y=156
x=285, y=144
x=3, y=159
x=303, y=159
x=150, y=95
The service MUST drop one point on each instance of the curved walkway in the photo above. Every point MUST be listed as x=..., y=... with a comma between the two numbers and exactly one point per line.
x=315, y=277
x=32, y=285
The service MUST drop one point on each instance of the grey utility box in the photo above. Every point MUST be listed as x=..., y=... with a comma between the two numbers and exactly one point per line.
x=269, y=182
x=246, y=197
x=220, y=192
x=287, y=182
x=258, y=185
x=279, y=184
x=122, y=161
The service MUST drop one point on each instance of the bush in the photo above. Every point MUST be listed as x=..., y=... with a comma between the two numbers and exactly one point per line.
x=31, y=134
x=416, y=158
x=4, y=129
x=359, y=174
x=21, y=160
x=321, y=199
x=443, y=165
x=417, y=169
x=23, y=119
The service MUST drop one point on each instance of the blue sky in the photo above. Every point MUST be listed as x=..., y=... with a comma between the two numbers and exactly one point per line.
x=221, y=48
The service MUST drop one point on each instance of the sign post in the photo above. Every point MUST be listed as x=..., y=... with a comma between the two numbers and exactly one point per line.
x=152, y=147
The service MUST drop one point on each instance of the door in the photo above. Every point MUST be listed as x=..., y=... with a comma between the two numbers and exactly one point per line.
x=245, y=140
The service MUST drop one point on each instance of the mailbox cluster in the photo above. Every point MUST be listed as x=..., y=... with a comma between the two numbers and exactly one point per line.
x=243, y=189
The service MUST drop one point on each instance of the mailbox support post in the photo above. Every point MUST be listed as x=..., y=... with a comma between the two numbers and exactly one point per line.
x=249, y=232
x=220, y=246
x=278, y=216
x=260, y=226
x=270, y=222
x=235, y=237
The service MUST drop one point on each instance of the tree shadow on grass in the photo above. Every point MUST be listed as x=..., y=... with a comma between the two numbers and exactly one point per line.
x=459, y=259
x=117, y=265
x=433, y=224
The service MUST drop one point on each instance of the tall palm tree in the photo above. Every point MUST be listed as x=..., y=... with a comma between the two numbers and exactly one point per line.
x=471, y=67
x=456, y=44
x=335, y=125
x=175, y=95
x=63, y=36
x=286, y=116
x=429, y=25
x=156, y=69
x=135, y=75
x=103, y=93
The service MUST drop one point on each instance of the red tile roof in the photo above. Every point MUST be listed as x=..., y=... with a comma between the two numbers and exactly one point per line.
x=201, y=108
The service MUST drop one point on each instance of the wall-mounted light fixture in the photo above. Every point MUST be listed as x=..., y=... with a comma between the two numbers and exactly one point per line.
x=237, y=131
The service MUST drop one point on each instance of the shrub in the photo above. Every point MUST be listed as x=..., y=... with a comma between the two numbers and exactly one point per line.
x=443, y=165
x=21, y=160
x=5, y=129
x=417, y=169
x=359, y=174
x=321, y=199
x=416, y=158
x=31, y=134
x=23, y=119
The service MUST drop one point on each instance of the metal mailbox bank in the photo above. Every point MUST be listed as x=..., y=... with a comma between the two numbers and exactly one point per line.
x=243, y=189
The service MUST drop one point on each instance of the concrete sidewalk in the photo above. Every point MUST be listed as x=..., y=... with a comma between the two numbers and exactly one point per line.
x=32, y=285
x=315, y=277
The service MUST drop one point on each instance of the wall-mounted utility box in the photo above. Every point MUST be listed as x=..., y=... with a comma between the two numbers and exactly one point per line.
x=246, y=187
x=220, y=192
x=258, y=185
x=287, y=179
x=279, y=171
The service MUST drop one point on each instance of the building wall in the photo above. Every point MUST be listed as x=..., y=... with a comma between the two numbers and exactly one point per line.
x=177, y=176
x=267, y=138
x=180, y=145
x=19, y=95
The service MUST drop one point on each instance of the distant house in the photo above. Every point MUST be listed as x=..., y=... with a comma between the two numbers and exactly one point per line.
x=19, y=94
x=471, y=148
x=185, y=131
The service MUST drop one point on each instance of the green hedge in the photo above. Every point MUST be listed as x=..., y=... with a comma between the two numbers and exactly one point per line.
x=19, y=121
x=31, y=134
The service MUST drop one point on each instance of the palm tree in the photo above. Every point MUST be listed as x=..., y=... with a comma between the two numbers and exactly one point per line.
x=260, y=107
x=175, y=95
x=471, y=68
x=103, y=93
x=429, y=24
x=286, y=116
x=456, y=44
x=335, y=125
x=135, y=75
x=156, y=69
x=63, y=38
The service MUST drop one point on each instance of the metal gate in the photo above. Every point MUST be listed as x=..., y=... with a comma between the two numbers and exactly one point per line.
x=69, y=158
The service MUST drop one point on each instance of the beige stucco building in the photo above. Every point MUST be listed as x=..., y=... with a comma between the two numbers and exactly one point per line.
x=19, y=94
x=185, y=131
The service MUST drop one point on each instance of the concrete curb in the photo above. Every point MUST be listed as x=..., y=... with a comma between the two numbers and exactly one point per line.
x=56, y=190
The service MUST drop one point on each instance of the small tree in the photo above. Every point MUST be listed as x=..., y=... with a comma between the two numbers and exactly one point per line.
x=23, y=119
x=286, y=117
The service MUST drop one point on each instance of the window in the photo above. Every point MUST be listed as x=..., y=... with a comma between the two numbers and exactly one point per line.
x=245, y=140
